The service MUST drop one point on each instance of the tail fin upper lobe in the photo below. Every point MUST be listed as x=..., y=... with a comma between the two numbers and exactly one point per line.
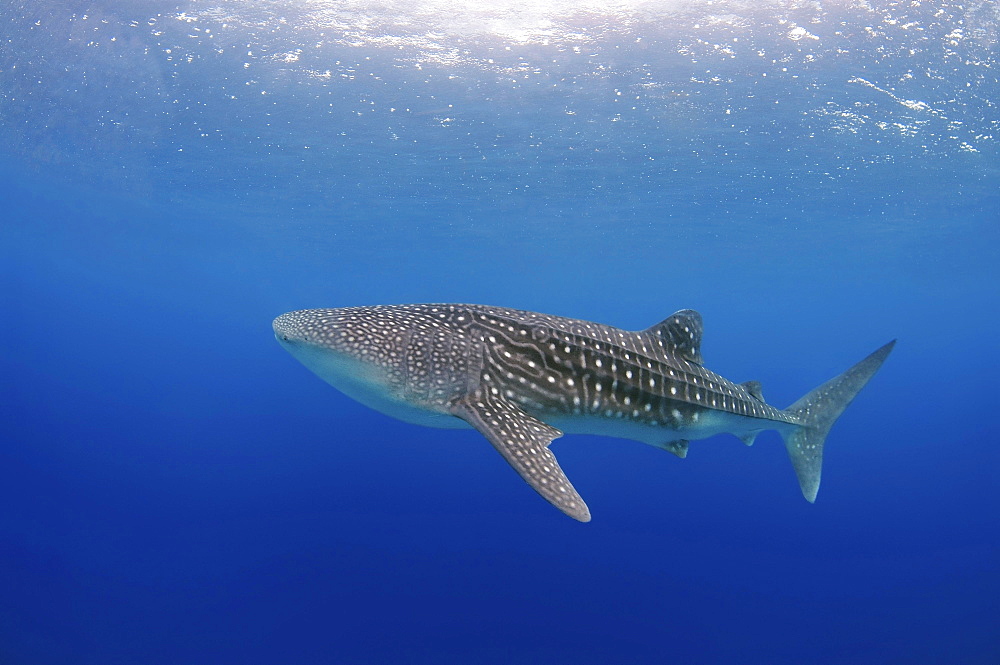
x=816, y=413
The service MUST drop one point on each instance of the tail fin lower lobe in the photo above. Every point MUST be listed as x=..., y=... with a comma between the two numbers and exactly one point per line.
x=816, y=413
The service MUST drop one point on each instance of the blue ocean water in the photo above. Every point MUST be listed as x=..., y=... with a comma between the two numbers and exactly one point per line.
x=816, y=178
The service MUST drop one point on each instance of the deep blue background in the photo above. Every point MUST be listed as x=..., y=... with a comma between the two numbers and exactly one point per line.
x=174, y=488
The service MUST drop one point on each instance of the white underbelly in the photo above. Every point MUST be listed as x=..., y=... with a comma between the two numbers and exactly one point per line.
x=375, y=397
x=368, y=385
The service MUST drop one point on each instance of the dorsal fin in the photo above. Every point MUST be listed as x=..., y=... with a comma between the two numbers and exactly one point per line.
x=681, y=332
x=754, y=388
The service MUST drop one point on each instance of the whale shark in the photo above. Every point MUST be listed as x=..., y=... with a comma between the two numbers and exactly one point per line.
x=522, y=379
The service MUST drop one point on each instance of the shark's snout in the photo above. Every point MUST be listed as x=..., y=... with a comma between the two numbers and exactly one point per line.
x=309, y=328
x=291, y=328
x=281, y=327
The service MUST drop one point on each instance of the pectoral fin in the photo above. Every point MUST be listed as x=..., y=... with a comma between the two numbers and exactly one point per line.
x=523, y=441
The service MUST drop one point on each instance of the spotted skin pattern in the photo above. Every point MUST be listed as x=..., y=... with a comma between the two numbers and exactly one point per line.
x=513, y=375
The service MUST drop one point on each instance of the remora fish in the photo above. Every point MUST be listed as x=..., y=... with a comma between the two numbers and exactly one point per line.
x=523, y=378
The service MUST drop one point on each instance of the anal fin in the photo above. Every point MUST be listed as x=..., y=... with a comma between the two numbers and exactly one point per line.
x=523, y=441
x=678, y=447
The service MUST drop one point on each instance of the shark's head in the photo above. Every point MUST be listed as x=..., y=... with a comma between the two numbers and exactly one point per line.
x=335, y=342
x=347, y=348
x=304, y=327
x=363, y=352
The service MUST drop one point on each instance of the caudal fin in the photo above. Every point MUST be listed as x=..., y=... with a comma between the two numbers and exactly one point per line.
x=816, y=413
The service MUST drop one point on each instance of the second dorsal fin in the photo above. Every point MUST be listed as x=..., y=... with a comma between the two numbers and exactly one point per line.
x=681, y=333
x=754, y=388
